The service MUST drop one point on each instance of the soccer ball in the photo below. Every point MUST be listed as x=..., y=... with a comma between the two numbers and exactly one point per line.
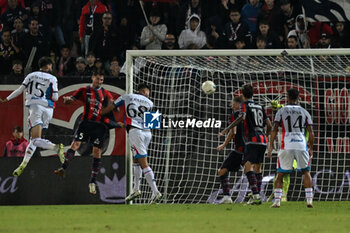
x=208, y=87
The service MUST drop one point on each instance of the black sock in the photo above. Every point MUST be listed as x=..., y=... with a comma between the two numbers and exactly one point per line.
x=259, y=178
x=225, y=184
x=69, y=156
x=95, y=169
x=252, y=182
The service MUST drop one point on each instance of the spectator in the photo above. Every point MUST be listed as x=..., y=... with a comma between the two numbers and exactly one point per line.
x=114, y=68
x=103, y=40
x=226, y=6
x=325, y=41
x=189, y=8
x=240, y=43
x=90, y=19
x=260, y=42
x=13, y=11
x=292, y=42
x=99, y=65
x=316, y=29
x=272, y=39
x=17, y=68
x=80, y=68
x=170, y=42
x=18, y=31
x=341, y=37
x=211, y=42
x=250, y=12
x=65, y=63
x=235, y=29
x=4, y=5
x=17, y=145
x=192, y=35
x=90, y=58
x=153, y=35
x=290, y=13
x=272, y=12
x=126, y=36
x=35, y=13
x=8, y=52
x=34, y=39
x=300, y=32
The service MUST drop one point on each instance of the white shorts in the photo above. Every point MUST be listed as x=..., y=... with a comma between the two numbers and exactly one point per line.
x=139, y=141
x=39, y=114
x=286, y=158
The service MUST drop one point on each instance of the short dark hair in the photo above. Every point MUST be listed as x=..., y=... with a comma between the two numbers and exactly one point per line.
x=238, y=99
x=44, y=61
x=96, y=72
x=248, y=91
x=261, y=38
x=17, y=128
x=142, y=86
x=17, y=62
x=265, y=22
x=293, y=94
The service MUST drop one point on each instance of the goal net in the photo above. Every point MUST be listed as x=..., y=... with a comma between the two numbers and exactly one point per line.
x=185, y=160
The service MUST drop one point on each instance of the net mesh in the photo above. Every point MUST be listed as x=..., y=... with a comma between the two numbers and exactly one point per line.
x=185, y=160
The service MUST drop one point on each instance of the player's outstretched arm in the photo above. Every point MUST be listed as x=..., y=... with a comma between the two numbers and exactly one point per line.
x=268, y=127
x=68, y=99
x=233, y=124
x=272, y=139
x=230, y=136
x=14, y=94
x=107, y=109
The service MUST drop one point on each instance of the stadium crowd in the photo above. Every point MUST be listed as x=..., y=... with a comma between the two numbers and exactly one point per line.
x=82, y=34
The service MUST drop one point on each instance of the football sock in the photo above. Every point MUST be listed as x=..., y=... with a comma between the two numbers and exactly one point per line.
x=308, y=195
x=149, y=175
x=43, y=143
x=278, y=195
x=69, y=156
x=225, y=184
x=259, y=178
x=95, y=169
x=252, y=182
x=29, y=152
x=137, y=176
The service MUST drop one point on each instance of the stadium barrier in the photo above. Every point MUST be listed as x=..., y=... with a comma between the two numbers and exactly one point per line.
x=38, y=185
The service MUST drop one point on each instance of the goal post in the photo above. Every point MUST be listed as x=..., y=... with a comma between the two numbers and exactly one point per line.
x=184, y=157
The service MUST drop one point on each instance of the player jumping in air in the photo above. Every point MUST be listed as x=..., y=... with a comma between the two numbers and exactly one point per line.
x=134, y=105
x=254, y=120
x=233, y=161
x=41, y=93
x=92, y=127
x=293, y=119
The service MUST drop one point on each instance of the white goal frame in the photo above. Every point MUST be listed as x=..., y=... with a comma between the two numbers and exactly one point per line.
x=132, y=54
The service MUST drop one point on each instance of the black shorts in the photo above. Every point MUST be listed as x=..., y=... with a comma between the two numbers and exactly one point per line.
x=254, y=153
x=233, y=161
x=91, y=131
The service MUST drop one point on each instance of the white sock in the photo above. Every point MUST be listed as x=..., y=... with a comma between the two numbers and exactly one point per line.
x=308, y=195
x=45, y=144
x=137, y=176
x=29, y=152
x=149, y=175
x=278, y=195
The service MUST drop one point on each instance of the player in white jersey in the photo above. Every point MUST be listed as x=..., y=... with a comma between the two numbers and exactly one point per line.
x=293, y=119
x=133, y=106
x=41, y=93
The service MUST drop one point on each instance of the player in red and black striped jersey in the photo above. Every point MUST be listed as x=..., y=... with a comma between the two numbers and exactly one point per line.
x=254, y=120
x=233, y=161
x=93, y=127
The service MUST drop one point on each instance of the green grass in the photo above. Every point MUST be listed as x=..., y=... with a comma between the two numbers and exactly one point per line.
x=291, y=217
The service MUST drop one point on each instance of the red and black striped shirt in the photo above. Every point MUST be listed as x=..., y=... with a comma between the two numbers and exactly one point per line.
x=254, y=123
x=94, y=100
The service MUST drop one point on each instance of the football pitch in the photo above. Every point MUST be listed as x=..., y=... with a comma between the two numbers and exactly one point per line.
x=291, y=217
